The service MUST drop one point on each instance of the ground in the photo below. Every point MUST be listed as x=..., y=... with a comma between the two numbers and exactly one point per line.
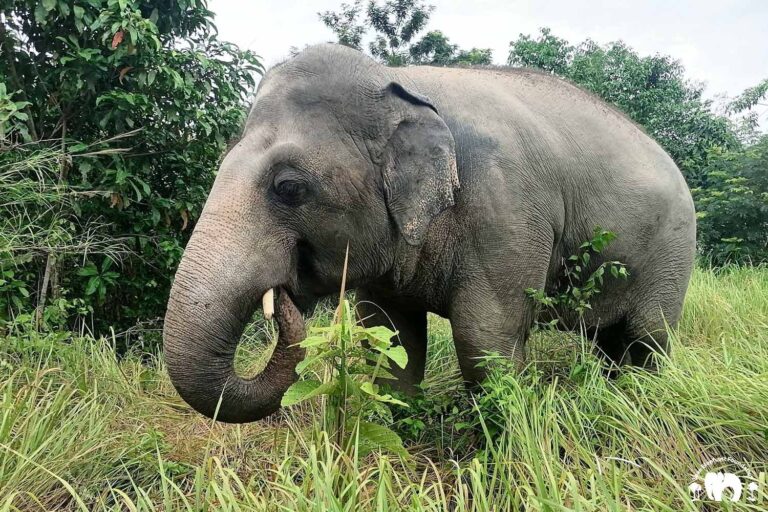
x=81, y=429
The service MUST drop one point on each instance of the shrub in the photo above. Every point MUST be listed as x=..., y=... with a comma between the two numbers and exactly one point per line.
x=154, y=80
x=732, y=206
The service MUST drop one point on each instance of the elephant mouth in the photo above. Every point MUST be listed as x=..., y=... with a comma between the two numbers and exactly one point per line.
x=286, y=309
x=279, y=303
x=289, y=319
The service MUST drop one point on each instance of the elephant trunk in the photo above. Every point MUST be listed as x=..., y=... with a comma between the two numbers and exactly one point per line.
x=213, y=297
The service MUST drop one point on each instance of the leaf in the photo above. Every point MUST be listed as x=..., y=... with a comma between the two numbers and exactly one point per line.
x=380, y=336
x=372, y=390
x=306, y=363
x=41, y=13
x=398, y=355
x=89, y=270
x=313, y=341
x=117, y=39
x=49, y=4
x=378, y=437
x=304, y=390
x=92, y=286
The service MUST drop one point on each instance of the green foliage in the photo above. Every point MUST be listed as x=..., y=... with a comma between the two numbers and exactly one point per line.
x=13, y=116
x=350, y=358
x=345, y=24
x=395, y=24
x=732, y=205
x=41, y=223
x=435, y=49
x=99, y=278
x=575, y=290
x=749, y=98
x=651, y=90
x=153, y=81
x=547, y=52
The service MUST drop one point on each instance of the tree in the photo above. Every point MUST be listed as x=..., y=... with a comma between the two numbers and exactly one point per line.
x=548, y=52
x=152, y=74
x=652, y=90
x=749, y=98
x=435, y=49
x=395, y=24
x=733, y=207
x=743, y=105
x=345, y=24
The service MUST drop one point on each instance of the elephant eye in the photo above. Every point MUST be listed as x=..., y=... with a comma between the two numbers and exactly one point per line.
x=289, y=189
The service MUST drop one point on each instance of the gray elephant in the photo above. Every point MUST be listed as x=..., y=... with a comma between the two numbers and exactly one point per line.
x=456, y=189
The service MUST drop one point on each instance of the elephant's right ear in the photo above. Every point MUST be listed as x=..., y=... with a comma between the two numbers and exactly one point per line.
x=420, y=174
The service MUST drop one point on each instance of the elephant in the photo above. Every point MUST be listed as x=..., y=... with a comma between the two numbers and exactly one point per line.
x=454, y=190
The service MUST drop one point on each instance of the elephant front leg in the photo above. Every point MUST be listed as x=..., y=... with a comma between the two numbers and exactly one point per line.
x=487, y=323
x=411, y=324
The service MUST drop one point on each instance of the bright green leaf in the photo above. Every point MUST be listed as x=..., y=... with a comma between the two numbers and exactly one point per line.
x=378, y=437
x=398, y=355
x=304, y=390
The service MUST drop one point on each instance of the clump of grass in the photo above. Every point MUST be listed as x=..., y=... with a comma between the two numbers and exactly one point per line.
x=81, y=430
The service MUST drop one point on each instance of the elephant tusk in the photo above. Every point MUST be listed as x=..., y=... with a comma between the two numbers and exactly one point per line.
x=268, y=303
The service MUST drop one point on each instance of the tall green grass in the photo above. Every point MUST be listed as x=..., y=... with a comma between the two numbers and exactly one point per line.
x=82, y=430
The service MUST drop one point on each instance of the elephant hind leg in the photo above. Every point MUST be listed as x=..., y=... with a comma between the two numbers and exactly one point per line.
x=611, y=342
x=647, y=335
x=632, y=340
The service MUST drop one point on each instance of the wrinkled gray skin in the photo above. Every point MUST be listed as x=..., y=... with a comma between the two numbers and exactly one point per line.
x=456, y=189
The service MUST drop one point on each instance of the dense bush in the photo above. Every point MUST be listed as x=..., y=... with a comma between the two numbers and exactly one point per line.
x=732, y=205
x=152, y=80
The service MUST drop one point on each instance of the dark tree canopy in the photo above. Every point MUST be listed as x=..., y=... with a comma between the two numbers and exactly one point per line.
x=88, y=70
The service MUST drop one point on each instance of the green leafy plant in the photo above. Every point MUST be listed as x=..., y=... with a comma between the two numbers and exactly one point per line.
x=351, y=359
x=13, y=117
x=732, y=206
x=13, y=291
x=139, y=100
x=99, y=278
x=576, y=288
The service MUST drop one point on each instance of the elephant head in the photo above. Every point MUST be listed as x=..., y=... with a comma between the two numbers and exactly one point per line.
x=334, y=151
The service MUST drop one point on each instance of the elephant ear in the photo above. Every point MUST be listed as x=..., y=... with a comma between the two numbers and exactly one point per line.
x=420, y=174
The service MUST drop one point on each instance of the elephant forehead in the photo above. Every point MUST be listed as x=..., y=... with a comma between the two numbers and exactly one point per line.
x=330, y=101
